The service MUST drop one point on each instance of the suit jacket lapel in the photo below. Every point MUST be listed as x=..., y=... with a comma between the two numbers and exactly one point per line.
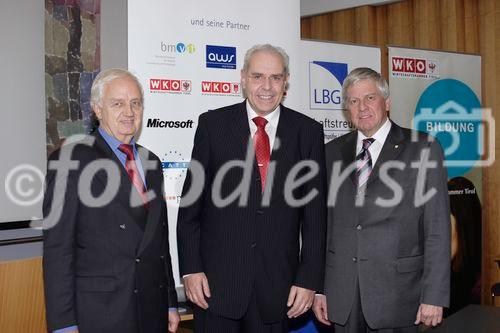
x=154, y=207
x=125, y=183
x=284, y=133
x=240, y=128
x=348, y=151
x=391, y=149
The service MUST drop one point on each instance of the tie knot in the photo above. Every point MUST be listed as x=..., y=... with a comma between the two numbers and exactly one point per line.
x=367, y=142
x=127, y=150
x=260, y=122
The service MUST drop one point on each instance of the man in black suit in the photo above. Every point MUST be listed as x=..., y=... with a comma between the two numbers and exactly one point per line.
x=388, y=245
x=239, y=248
x=106, y=260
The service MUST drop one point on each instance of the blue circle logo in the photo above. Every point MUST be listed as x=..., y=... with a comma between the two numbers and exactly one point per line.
x=450, y=111
x=180, y=47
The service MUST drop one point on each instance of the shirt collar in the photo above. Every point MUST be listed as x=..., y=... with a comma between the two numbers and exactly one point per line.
x=379, y=136
x=113, y=142
x=272, y=118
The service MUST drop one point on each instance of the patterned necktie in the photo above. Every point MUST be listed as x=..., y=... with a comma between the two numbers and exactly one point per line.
x=262, y=149
x=133, y=172
x=364, y=163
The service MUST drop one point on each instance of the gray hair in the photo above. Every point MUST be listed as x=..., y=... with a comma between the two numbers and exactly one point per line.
x=267, y=48
x=105, y=77
x=364, y=73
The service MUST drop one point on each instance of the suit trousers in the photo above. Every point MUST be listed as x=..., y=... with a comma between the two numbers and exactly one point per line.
x=207, y=322
x=356, y=322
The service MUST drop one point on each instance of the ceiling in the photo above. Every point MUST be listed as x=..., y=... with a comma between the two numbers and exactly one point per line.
x=314, y=7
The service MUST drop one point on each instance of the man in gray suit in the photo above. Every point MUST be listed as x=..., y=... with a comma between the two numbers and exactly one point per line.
x=388, y=245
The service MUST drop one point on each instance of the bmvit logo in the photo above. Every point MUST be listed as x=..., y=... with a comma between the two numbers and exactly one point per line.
x=177, y=48
x=221, y=57
x=225, y=88
x=170, y=86
x=325, y=85
x=414, y=67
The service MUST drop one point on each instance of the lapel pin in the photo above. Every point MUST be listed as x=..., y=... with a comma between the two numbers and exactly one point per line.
x=396, y=146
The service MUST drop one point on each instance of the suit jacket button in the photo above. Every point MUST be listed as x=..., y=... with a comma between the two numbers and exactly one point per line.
x=123, y=226
x=161, y=286
x=354, y=259
x=253, y=245
x=162, y=257
x=260, y=211
x=359, y=227
x=136, y=291
x=137, y=260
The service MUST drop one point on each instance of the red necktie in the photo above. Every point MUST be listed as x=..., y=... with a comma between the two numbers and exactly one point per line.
x=262, y=149
x=133, y=172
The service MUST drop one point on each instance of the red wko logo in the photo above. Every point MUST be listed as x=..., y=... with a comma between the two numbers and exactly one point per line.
x=225, y=88
x=169, y=86
x=414, y=67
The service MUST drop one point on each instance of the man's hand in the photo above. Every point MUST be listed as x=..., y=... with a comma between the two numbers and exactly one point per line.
x=196, y=287
x=430, y=315
x=320, y=309
x=173, y=321
x=300, y=300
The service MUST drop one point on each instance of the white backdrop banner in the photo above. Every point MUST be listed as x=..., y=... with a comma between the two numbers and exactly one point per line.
x=188, y=56
x=323, y=68
x=440, y=93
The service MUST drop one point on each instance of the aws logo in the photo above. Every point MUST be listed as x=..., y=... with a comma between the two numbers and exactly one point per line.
x=221, y=57
x=325, y=85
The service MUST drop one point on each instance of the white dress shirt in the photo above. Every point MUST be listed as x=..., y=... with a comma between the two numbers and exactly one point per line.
x=271, y=127
x=376, y=147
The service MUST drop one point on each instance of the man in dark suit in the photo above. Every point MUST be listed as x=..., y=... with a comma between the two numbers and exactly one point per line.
x=106, y=260
x=264, y=188
x=388, y=243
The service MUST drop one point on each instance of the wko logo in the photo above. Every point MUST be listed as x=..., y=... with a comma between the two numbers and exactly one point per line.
x=177, y=48
x=170, y=86
x=325, y=85
x=221, y=57
x=415, y=67
x=220, y=88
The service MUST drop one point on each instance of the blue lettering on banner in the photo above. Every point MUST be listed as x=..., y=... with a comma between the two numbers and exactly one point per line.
x=221, y=57
x=449, y=110
x=325, y=84
x=174, y=165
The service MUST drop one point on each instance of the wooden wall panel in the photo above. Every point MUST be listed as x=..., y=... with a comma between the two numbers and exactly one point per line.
x=471, y=26
x=365, y=25
x=489, y=45
x=400, y=24
x=452, y=22
x=427, y=29
x=343, y=26
x=321, y=27
x=22, y=307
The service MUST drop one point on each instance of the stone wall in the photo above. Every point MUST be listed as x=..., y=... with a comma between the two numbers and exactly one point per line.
x=71, y=62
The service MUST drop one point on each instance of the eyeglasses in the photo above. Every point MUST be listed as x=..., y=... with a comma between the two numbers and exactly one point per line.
x=119, y=104
x=368, y=99
x=261, y=78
